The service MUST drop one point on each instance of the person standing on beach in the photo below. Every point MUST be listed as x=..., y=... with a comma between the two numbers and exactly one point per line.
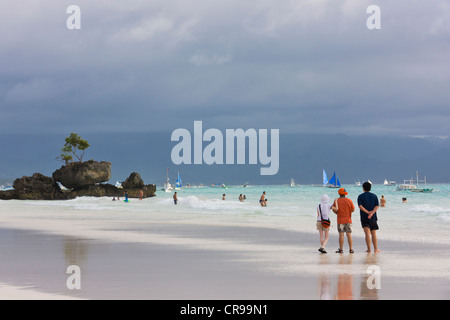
x=323, y=212
x=175, y=198
x=262, y=200
x=141, y=194
x=368, y=205
x=344, y=207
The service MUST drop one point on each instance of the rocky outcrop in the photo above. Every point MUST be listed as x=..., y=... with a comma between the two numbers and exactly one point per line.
x=81, y=174
x=40, y=187
x=135, y=187
x=36, y=183
x=36, y=187
x=100, y=190
x=134, y=181
x=108, y=190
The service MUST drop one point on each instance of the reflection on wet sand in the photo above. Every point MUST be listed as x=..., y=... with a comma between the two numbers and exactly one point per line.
x=345, y=280
x=75, y=252
x=366, y=293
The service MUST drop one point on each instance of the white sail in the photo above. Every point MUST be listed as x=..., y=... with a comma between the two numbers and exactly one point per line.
x=325, y=178
x=167, y=187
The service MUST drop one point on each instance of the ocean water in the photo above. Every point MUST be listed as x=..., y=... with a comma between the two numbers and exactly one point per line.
x=425, y=218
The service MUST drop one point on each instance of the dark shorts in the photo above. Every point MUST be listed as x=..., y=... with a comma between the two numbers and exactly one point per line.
x=372, y=225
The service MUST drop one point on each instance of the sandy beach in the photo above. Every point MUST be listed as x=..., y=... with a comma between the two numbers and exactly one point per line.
x=169, y=257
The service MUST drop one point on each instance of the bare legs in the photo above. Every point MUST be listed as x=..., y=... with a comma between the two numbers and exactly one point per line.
x=349, y=239
x=371, y=238
x=324, y=236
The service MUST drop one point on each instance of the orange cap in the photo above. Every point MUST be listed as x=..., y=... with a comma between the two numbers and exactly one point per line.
x=342, y=191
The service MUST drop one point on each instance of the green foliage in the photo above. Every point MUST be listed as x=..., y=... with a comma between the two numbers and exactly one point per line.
x=74, y=147
x=66, y=157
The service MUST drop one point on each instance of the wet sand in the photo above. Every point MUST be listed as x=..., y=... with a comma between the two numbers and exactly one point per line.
x=203, y=262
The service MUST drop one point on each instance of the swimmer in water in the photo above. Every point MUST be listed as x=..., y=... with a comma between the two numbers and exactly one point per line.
x=262, y=200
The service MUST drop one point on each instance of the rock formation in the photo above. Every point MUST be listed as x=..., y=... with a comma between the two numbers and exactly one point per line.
x=134, y=181
x=36, y=187
x=80, y=174
x=83, y=179
x=134, y=184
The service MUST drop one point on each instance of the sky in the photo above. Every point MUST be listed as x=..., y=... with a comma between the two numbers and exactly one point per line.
x=300, y=66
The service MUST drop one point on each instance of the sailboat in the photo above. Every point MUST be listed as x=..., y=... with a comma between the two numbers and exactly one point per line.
x=167, y=187
x=292, y=183
x=178, y=183
x=389, y=182
x=334, y=182
x=324, y=178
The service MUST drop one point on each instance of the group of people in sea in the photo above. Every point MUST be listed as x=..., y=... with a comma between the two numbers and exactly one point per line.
x=343, y=207
x=125, y=194
x=242, y=198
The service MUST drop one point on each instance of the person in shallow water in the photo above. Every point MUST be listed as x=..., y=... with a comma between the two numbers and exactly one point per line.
x=262, y=200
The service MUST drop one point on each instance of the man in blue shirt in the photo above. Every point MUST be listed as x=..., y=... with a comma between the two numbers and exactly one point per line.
x=368, y=205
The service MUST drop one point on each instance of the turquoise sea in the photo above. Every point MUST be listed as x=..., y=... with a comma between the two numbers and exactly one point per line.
x=424, y=218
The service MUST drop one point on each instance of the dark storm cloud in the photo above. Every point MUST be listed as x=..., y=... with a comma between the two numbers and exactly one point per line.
x=300, y=66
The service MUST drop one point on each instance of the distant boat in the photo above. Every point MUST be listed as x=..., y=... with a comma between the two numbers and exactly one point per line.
x=358, y=183
x=178, y=183
x=292, y=183
x=167, y=187
x=408, y=185
x=334, y=182
x=389, y=182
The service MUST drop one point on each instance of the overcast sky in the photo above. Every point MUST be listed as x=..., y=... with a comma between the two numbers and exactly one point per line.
x=298, y=66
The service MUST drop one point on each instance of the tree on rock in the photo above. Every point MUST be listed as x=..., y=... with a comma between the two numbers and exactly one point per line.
x=74, y=147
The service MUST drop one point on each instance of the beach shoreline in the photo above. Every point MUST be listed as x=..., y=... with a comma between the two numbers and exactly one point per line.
x=197, y=259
